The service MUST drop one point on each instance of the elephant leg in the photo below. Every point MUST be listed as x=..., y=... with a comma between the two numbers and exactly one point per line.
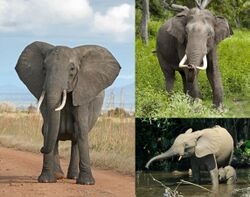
x=169, y=73
x=169, y=79
x=214, y=176
x=193, y=89
x=58, y=172
x=73, y=169
x=184, y=82
x=195, y=170
x=85, y=176
x=47, y=174
x=211, y=164
x=214, y=78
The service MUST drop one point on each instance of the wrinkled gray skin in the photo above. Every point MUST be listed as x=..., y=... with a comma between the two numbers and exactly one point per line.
x=208, y=149
x=196, y=33
x=84, y=72
x=227, y=175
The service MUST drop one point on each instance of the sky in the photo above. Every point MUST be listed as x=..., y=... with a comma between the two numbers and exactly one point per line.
x=109, y=23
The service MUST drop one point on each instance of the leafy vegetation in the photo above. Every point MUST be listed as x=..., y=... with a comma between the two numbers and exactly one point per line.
x=236, y=11
x=234, y=63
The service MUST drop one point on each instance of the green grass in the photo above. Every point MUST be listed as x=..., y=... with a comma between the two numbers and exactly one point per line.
x=234, y=64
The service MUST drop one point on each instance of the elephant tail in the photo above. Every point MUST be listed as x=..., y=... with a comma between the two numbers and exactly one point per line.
x=231, y=158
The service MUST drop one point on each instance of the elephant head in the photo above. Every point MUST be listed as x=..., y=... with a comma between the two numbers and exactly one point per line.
x=198, y=31
x=53, y=72
x=200, y=144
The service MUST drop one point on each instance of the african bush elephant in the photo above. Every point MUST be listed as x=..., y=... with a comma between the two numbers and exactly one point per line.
x=69, y=84
x=227, y=175
x=185, y=42
x=208, y=149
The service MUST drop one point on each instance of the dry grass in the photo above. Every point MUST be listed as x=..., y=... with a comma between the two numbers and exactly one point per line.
x=111, y=140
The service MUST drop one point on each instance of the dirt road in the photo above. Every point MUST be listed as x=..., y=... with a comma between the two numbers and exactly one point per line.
x=19, y=171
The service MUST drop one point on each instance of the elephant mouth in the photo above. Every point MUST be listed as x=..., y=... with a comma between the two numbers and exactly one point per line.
x=59, y=108
x=192, y=67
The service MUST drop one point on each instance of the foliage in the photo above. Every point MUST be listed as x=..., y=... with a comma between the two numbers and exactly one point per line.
x=117, y=112
x=154, y=136
x=236, y=11
x=153, y=101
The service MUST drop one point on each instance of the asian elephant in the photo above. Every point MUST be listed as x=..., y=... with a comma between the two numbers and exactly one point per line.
x=69, y=84
x=208, y=149
x=188, y=43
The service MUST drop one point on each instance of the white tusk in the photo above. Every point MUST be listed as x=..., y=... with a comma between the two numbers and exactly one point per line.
x=63, y=101
x=184, y=59
x=40, y=100
x=204, y=67
x=179, y=158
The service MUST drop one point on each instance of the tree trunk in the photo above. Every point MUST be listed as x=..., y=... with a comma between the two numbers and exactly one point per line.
x=144, y=21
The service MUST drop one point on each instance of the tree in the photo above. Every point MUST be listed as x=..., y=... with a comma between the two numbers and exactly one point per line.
x=144, y=21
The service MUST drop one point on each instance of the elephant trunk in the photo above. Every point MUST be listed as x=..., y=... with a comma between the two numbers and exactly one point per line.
x=165, y=155
x=196, y=51
x=50, y=137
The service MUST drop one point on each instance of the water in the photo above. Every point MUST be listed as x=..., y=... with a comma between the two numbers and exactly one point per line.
x=146, y=187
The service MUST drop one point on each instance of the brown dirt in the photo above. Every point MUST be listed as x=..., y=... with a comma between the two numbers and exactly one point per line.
x=19, y=171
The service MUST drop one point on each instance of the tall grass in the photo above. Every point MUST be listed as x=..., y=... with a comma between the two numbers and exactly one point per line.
x=111, y=140
x=234, y=64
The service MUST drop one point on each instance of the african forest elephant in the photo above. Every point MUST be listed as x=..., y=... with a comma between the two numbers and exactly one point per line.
x=69, y=84
x=227, y=175
x=208, y=149
x=188, y=43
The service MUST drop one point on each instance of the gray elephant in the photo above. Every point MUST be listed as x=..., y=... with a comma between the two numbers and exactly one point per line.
x=188, y=43
x=227, y=175
x=208, y=149
x=69, y=84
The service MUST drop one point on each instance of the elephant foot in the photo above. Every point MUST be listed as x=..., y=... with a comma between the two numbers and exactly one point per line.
x=47, y=177
x=85, y=179
x=59, y=175
x=72, y=175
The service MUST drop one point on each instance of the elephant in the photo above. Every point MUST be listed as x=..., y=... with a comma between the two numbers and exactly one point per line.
x=228, y=175
x=208, y=149
x=188, y=43
x=69, y=84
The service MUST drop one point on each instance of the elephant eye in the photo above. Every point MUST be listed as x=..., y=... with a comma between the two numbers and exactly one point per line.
x=72, y=67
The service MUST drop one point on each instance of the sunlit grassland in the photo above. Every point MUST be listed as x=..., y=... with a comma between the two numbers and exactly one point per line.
x=111, y=140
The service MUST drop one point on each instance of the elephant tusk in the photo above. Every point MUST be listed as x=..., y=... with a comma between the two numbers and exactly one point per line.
x=204, y=67
x=63, y=101
x=40, y=100
x=181, y=64
x=179, y=158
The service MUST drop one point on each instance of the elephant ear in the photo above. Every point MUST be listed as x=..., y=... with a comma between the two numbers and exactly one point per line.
x=222, y=29
x=29, y=66
x=97, y=70
x=190, y=130
x=208, y=141
x=176, y=26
